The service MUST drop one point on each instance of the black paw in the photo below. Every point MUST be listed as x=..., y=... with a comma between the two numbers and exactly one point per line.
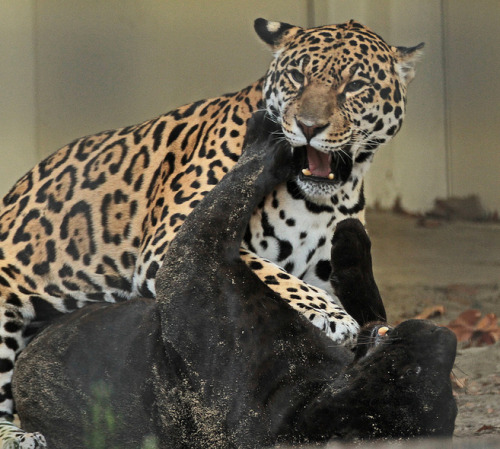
x=352, y=275
x=351, y=246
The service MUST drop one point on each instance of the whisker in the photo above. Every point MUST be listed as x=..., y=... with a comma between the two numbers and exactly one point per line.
x=455, y=367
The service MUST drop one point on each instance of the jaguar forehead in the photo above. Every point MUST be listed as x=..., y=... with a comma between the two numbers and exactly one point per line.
x=304, y=60
x=354, y=68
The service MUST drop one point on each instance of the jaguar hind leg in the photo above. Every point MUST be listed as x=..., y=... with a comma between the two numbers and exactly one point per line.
x=12, y=437
x=12, y=325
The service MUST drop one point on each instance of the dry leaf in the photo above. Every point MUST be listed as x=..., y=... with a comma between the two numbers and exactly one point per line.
x=488, y=323
x=430, y=312
x=485, y=428
x=475, y=329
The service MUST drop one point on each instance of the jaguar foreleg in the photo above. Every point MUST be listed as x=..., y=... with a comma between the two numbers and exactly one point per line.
x=312, y=302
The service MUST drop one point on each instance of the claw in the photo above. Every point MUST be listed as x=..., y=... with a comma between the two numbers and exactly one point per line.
x=382, y=331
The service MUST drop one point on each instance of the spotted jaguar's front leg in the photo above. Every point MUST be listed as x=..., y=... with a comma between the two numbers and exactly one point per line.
x=312, y=302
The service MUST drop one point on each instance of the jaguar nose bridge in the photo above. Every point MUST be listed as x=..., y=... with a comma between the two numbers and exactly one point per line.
x=316, y=107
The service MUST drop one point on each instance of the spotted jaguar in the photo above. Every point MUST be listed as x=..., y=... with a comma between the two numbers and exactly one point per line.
x=93, y=221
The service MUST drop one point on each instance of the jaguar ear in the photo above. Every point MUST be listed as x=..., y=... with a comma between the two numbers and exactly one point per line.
x=274, y=34
x=406, y=59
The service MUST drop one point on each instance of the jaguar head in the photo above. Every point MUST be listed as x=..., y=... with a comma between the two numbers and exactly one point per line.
x=338, y=92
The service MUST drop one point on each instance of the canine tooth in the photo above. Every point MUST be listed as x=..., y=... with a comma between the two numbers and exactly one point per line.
x=306, y=172
x=382, y=331
x=330, y=176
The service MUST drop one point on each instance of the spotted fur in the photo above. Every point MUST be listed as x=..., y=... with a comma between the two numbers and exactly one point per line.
x=93, y=221
x=12, y=437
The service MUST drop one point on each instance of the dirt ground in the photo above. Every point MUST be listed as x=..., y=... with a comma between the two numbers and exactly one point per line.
x=455, y=265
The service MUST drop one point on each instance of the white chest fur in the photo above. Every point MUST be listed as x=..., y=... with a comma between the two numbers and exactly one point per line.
x=296, y=234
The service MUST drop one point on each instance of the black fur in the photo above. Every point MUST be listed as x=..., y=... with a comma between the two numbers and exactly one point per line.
x=272, y=38
x=220, y=360
x=352, y=274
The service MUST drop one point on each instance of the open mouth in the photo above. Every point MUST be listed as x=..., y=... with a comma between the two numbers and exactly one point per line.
x=334, y=167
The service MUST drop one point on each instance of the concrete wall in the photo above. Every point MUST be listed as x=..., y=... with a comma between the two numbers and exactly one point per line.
x=17, y=95
x=472, y=36
x=73, y=67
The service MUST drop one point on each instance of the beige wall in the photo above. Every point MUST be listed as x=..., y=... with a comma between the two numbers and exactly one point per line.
x=472, y=30
x=73, y=67
x=106, y=64
x=17, y=95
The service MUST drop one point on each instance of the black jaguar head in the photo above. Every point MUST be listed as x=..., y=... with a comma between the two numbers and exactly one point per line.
x=401, y=388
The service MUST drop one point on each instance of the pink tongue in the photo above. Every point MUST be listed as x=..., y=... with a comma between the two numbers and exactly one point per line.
x=319, y=163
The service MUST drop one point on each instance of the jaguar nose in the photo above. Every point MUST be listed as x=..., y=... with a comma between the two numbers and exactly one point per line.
x=310, y=131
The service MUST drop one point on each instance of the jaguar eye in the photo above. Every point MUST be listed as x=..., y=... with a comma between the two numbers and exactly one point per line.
x=354, y=86
x=297, y=76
